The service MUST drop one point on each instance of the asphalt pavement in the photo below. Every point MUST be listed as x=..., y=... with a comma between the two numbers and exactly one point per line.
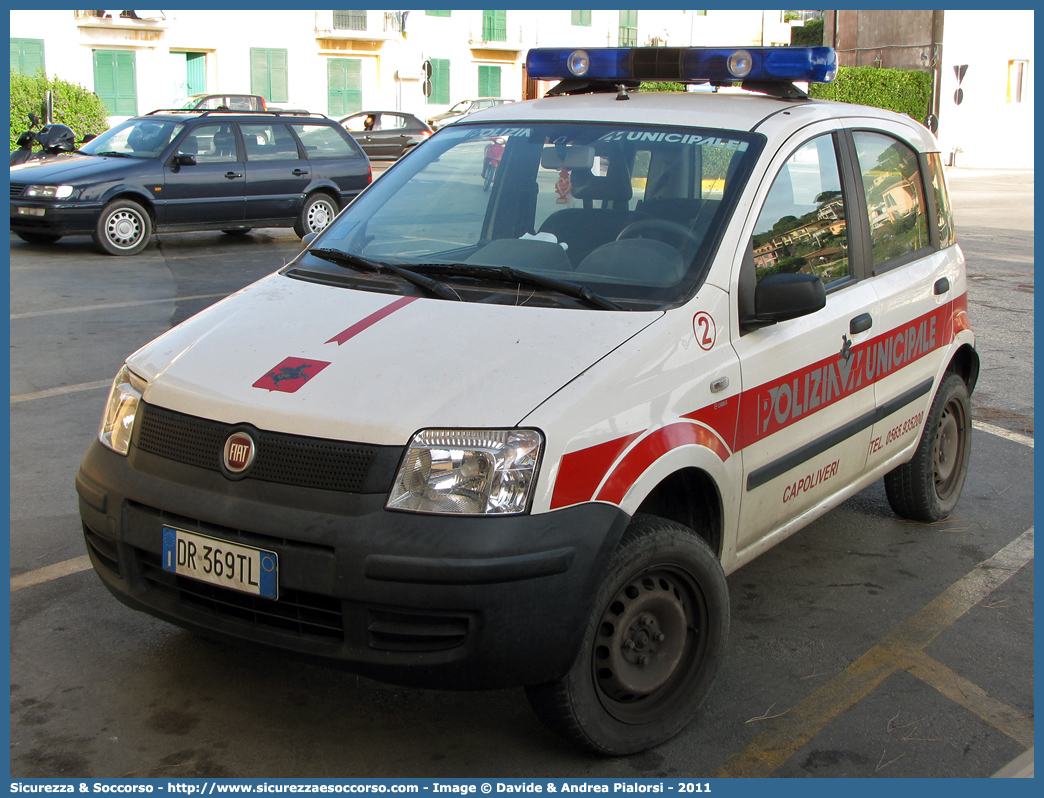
x=862, y=647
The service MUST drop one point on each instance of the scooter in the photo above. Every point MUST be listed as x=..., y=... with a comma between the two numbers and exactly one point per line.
x=54, y=139
x=25, y=143
x=493, y=153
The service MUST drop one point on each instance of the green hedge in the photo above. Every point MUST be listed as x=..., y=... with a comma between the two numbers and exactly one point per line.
x=904, y=91
x=75, y=106
x=808, y=35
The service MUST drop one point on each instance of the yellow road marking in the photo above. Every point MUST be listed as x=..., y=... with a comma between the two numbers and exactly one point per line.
x=51, y=572
x=788, y=733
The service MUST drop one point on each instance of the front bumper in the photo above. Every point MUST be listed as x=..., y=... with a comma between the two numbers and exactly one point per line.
x=423, y=600
x=57, y=218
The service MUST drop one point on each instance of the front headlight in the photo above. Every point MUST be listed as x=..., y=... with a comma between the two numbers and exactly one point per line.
x=48, y=192
x=121, y=410
x=467, y=472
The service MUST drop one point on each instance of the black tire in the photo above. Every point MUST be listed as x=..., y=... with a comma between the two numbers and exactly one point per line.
x=240, y=232
x=651, y=648
x=491, y=172
x=928, y=486
x=38, y=238
x=123, y=228
x=318, y=211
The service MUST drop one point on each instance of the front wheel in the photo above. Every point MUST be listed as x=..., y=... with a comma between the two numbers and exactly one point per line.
x=652, y=645
x=123, y=228
x=316, y=214
x=927, y=488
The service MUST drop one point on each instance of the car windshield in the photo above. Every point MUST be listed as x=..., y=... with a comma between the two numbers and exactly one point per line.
x=135, y=138
x=632, y=213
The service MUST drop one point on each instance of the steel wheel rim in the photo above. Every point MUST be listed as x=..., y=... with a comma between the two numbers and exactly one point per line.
x=320, y=214
x=649, y=644
x=950, y=443
x=124, y=228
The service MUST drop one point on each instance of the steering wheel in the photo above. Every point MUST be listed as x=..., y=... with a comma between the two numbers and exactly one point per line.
x=677, y=235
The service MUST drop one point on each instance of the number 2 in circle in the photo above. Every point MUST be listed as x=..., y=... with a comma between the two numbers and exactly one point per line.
x=703, y=326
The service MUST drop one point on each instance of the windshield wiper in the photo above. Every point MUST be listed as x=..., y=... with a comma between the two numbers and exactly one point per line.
x=358, y=262
x=510, y=274
x=112, y=153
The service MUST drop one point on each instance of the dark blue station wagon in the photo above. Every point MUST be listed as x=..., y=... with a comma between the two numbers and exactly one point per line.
x=176, y=171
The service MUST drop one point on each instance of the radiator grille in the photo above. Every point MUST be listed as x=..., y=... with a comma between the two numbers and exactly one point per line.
x=286, y=459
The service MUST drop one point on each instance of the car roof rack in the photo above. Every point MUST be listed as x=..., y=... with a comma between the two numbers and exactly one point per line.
x=227, y=111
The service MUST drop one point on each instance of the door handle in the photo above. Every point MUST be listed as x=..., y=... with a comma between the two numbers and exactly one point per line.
x=233, y=175
x=299, y=172
x=861, y=323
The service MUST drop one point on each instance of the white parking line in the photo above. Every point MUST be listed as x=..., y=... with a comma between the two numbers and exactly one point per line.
x=83, y=386
x=50, y=573
x=110, y=306
x=1025, y=440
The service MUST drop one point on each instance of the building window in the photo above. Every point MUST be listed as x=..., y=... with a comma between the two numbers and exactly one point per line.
x=494, y=26
x=581, y=18
x=440, y=79
x=628, y=29
x=489, y=81
x=344, y=86
x=268, y=74
x=1018, y=75
x=115, y=82
x=27, y=56
x=349, y=20
x=438, y=13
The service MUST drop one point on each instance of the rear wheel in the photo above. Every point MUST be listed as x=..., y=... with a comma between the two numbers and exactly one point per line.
x=927, y=488
x=38, y=238
x=123, y=228
x=652, y=646
x=318, y=211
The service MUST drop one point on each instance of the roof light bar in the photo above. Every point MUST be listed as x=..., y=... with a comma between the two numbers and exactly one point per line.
x=685, y=64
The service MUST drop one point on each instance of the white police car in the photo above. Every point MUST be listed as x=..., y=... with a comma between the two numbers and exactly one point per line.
x=519, y=436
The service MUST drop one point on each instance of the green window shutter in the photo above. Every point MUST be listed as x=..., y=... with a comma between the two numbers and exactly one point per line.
x=581, y=18
x=440, y=81
x=114, y=81
x=196, y=73
x=27, y=55
x=437, y=13
x=489, y=81
x=628, y=29
x=269, y=74
x=494, y=26
x=344, y=86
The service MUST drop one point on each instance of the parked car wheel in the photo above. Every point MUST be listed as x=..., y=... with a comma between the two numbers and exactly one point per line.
x=123, y=228
x=38, y=238
x=318, y=211
x=652, y=646
x=928, y=486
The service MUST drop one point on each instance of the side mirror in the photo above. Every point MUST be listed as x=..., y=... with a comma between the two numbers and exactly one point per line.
x=307, y=240
x=88, y=137
x=781, y=297
x=184, y=160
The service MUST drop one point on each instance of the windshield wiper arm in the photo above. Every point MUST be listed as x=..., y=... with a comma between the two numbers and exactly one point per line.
x=358, y=262
x=510, y=274
x=112, y=153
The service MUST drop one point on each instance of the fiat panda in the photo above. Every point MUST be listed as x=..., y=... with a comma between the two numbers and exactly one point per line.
x=474, y=437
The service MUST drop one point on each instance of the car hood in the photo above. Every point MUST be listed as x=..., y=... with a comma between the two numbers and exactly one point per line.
x=329, y=362
x=73, y=169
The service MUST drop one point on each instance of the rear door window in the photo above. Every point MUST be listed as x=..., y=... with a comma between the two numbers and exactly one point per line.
x=894, y=196
x=268, y=142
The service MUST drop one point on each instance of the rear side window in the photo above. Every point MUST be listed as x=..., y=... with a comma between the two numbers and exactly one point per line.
x=943, y=210
x=323, y=141
x=894, y=195
x=265, y=142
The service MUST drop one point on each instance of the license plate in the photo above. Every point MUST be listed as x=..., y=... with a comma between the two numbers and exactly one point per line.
x=218, y=562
